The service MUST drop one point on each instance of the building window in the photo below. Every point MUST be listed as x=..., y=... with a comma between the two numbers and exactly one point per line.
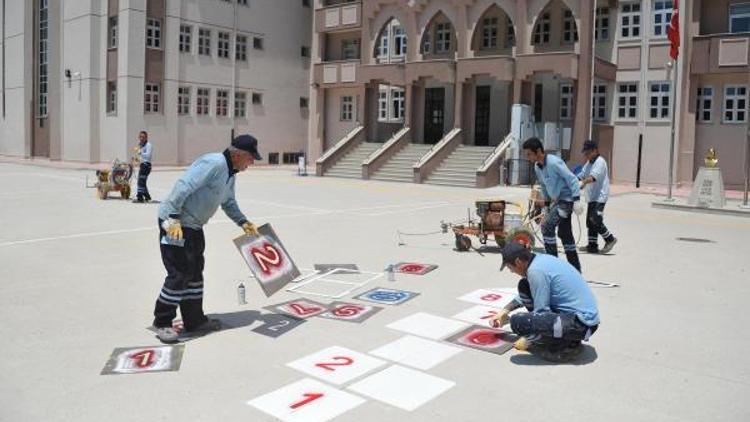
x=570, y=31
x=258, y=43
x=349, y=49
x=183, y=100
x=112, y=43
x=510, y=36
x=305, y=3
x=151, y=98
x=705, y=104
x=397, y=105
x=43, y=70
x=153, y=33
x=273, y=158
x=399, y=41
x=111, y=97
x=222, y=45
x=599, y=108
x=542, y=30
x=566, y=101
x=735, y=104
x=202, y=100
x=442, y=38
x=240, y=48
x=204, y=42
x=427, y=43
x=242, y=2
x=291, y=157
x=627, y=101
x=304, y=102
x=347, y=108
x=383, y=105
x=222, y=102
x=489, y=33
x=240, y=101
x=392, y=43
x=630, y=20
x=186, y=37
x=662, y=17
x=658, y=100
x=257, y=98
x=391, y=104
x=739, y=17
x=305, y=51
x=601, y=32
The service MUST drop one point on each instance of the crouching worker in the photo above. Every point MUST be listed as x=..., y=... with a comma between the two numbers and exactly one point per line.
x=562, y=308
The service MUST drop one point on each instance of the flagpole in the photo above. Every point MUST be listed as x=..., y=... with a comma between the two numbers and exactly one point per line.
x=672, y=66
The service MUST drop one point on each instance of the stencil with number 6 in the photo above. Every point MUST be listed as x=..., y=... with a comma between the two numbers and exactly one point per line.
x=336, y=365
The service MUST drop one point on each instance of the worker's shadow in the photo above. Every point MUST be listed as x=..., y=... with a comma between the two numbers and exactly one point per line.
x=587, y=356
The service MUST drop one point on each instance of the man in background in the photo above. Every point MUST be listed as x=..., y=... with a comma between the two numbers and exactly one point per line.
x=145, y=152
x=594, y=177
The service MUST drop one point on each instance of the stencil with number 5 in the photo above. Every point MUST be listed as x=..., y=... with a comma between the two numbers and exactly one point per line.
x=336, y=365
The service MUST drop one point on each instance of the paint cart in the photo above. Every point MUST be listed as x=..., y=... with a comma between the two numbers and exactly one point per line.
x=117, y=178
x=504, y=221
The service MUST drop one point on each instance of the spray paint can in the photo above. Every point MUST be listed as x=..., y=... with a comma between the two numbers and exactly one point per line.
x=391, y=272
x=241, y=294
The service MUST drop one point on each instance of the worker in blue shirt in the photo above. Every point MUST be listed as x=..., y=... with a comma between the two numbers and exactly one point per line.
x=144, y=151
x=562, y=309
x=206, y=185
x=594, y=177
x=560, y=189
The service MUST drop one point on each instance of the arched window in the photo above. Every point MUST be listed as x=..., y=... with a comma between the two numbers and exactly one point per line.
x=392, y=43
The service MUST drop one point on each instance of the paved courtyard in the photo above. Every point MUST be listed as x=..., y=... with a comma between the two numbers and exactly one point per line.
x=80, y=276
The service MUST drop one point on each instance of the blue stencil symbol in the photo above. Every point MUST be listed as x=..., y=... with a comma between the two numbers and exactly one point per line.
x=387, y=296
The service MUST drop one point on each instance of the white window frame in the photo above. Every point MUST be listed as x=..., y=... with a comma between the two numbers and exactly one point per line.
x=112, y=37
x=602, y=24
x=240, y=48
x=566, y=94
x=203, y=101
x=347, y=108
x=222, y=44
x=400, y=42
x=153, y=33
x=599, y=102
x=661, y=91
x=737, y=114
x=704, y=110
x=393, y=43
x=350, y=49
x=183, y=100
x=628, y=13
x=112, y=98
x=570, y=29
x=631, y=101
x=186, y=38
x=743, y=15
x=443, y=37
x=490, y=32
x=661, y=10
x=204, y=42
x=541, y=35
x=151, y=98
x=240, y=104
x=510, y=33
x=222, y=103
x=397, y=109
x=383, y=105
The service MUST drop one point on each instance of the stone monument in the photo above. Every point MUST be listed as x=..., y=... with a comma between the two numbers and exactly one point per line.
x=708, y=188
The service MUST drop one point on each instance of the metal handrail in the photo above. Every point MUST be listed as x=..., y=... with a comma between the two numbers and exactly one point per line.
x=394, y=138
x=499, y=150
x=437, y=147
x=340, y=144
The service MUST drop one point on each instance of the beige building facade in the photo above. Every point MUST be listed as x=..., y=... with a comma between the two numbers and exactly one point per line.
x=436, y=65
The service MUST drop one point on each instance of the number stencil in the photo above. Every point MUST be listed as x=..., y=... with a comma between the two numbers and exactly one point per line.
x=306, y=400
x=350, y=312
x=486, y=297
x=299, y=308
x=483, y=338
x=267, y=259
x=336, y=365
x=136, y=360
x=384, y=296
x=414, y=268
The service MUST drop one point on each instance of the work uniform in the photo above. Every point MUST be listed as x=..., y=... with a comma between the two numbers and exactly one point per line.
x=598, y=193
x=145, y=151
x=560, y=189
x=206, y=185
x=562, y=308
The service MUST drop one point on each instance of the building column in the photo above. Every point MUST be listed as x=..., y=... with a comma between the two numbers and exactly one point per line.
x=316, y=137
x=520, y=21
x=458, y=115
x=582, y=122
x=408, y=104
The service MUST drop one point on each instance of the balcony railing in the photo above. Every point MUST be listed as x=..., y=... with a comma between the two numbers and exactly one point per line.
x=339, y=17
x=329, y=73
x=721, y=53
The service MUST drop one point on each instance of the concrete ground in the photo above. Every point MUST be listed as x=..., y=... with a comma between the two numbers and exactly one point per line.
x=80, y=276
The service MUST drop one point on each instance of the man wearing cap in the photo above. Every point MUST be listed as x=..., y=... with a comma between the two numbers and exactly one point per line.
x=594, y=176
x=144, y=151
x=560, y=189
x=206, y=185
x=562, y=310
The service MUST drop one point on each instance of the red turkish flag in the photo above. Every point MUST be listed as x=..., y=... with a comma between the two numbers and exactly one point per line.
x=673, y=32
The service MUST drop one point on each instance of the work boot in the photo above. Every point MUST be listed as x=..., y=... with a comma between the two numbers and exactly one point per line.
x=167, y=335
x=589, y=249
x=206, y=327
x=609, y=245
x=559, y=355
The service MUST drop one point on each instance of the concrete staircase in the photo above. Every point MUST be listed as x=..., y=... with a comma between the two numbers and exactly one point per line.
x=399, y=167
x=460, y=167
x=350, y=165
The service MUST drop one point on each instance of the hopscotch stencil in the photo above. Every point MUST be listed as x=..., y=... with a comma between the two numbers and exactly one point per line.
x=276, y=325
x=350, y=312
x=401, y=387
x=492, y=298
x=484, y=338
x=306, y=400
x=416, y=352
x=481, y=315
x=384, y=296
x=269, y=262
x=426, y=325
x=336, y=283
x=414, y=268
x=137, y=360
x=324, y=268
x=336, y=365
x=299, y=308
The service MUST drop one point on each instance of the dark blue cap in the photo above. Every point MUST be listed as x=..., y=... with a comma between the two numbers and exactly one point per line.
x=247, y=143
x=511, y=251
x=589, y=145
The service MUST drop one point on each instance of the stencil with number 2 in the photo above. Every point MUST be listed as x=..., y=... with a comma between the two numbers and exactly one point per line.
x=336, y=365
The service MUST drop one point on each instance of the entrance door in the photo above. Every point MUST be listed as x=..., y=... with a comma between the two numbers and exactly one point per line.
x=434, y=115
x=482, y=117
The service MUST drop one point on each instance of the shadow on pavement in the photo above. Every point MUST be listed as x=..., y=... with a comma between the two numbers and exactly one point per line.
x=587, y=356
